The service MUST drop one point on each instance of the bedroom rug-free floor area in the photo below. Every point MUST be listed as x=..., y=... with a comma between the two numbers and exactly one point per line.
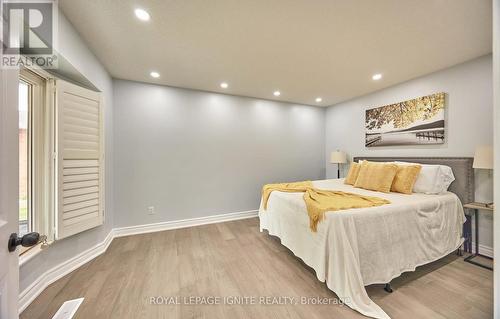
x=231, y=270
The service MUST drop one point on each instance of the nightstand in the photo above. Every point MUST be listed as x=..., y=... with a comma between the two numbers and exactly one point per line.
x=475, y=207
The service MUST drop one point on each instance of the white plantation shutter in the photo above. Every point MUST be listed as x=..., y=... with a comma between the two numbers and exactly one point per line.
x=80, y=159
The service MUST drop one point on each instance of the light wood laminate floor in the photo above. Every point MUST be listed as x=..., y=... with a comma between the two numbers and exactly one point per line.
x=235, y=259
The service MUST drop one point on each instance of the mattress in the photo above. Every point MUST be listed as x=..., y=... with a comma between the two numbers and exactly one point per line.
x=359, y=247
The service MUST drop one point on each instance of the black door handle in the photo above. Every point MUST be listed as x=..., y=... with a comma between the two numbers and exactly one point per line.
x=27, y=240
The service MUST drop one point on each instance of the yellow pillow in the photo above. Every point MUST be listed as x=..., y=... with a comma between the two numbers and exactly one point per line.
x=376, y=176
x=353, y=174
x=405, y=178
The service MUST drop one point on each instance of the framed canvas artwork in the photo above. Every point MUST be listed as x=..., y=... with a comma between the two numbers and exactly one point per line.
x=418, y=121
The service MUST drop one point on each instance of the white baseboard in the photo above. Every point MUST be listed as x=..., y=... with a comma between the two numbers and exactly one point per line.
x=483, y=250
x=29, y=294
x=150, y=228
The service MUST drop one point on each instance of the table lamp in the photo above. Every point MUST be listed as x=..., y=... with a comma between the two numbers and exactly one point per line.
x=483, y=159
x=338, y=157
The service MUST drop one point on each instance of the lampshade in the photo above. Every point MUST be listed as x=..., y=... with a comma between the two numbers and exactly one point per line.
x=338, y=157
x=483, y=158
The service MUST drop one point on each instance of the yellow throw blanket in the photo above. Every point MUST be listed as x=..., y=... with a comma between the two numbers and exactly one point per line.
x=320, y=201
x=297, y=187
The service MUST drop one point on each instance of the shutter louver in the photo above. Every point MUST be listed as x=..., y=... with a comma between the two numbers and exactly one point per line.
x=80, y=160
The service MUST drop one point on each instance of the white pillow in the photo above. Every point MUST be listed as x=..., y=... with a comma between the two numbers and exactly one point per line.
x=433, y=179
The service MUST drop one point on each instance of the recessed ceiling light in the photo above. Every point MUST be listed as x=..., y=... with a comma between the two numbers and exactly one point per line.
x=377, y=77
x=154, y=74
x=318, y=99
x=277, y=93
x=142, y=14
x=224, y=85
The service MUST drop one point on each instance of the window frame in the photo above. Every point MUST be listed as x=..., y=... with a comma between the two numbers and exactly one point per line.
x=41, y=153
x=29, y=151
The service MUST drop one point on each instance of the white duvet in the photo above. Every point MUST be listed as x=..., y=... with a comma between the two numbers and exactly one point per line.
x=359, y=247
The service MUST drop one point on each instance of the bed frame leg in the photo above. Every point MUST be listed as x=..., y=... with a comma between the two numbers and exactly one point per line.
x=459, y=251
x=388, y=287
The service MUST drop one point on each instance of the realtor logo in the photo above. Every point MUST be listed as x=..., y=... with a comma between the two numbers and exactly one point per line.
x=28, y=34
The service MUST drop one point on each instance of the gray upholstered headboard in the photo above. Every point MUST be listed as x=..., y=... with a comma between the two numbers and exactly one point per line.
x=463, y=185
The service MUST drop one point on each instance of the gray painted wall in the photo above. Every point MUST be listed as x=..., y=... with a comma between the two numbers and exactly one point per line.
x=468, y=121
x=72, y=47
x=192, y=154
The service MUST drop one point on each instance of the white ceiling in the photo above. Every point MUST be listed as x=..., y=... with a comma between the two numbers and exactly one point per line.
x=304, y=48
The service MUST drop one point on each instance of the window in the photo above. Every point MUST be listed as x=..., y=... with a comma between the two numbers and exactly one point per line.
x=24, y=156
x=61, y=184
x=36, y=166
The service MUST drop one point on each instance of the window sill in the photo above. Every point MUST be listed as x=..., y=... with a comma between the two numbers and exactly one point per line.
x=28, y=254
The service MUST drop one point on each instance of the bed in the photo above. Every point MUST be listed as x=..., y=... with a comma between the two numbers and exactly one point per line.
x=358, y=247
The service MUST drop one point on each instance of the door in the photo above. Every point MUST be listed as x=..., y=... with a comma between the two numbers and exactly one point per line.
x=9, y=192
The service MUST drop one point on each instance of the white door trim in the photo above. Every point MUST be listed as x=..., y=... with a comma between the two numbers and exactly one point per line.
x=9, y=190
